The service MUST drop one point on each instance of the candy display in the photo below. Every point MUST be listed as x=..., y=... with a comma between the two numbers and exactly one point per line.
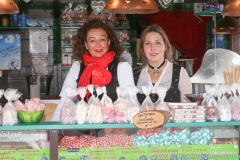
x=94, y=114
x=107, y=107
x=1, y=94
x=160, y=104
x=147, y=104
x=68, y=110
x=188, y=112
x=203, y=136
x=120, y=108
x=133, y=105
x=9, y=116
x=82, y=107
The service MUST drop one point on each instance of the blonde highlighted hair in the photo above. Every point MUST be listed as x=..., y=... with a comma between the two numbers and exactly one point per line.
x=153, y=28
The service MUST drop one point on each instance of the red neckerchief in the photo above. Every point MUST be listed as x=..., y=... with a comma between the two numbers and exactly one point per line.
x=96, y=70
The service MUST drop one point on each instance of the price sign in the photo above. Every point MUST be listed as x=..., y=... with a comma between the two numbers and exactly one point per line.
x=149, y=119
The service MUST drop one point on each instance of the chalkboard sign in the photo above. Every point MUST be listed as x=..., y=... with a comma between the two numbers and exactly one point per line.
x=10, y=52
x=149, y=119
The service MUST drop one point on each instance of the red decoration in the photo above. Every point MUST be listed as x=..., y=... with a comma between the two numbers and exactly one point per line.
x=185, y=31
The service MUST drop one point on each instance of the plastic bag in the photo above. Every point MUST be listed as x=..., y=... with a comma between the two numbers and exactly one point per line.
x=133, y=104
x=235, y=104
x=1, y=94
x=120, y=107
x=82, y=107
x=94, y=114
x=107, y=107
x=80, y=14
x=9, y=110
x=223, y=104
x=160, y=104
x=212, y=113
x=68, y=110
x=68, y=15
x=147, y=104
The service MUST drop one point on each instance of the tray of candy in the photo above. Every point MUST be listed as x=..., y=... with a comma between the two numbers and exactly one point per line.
x=185, y=106
x=190, y=120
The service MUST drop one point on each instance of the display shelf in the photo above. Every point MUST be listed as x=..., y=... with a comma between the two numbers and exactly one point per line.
x=76, y=27
x=207, y=13
x=16, y=28
x=58, y=125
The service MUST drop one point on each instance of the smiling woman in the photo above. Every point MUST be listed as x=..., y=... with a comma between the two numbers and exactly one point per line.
x=157, y=70
x=96, y=51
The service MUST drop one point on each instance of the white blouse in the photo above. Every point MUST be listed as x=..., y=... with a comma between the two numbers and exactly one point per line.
x=165, y=80
x=124, y=73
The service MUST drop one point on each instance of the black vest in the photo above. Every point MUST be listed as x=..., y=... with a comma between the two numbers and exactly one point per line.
x=172, y=95
x=111, y=88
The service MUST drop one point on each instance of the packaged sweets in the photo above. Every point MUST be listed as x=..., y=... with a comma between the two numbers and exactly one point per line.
x=107, y=107
x=160, y=104
x=68, y=110
x=9, y=111
x=94, y=114
x=147, y=104
x=82, y=107
x=120, y=107
x=133, y=105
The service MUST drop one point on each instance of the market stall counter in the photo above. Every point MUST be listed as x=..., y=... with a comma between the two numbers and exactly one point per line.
x=54, y=127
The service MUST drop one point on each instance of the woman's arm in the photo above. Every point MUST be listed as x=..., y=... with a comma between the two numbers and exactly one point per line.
x=70, y=80
x=185, y=85
x=125, y=75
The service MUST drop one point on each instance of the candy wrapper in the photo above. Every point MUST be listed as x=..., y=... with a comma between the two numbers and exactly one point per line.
x=67, y=16
x=147, y=104
x=68, y=110
x=94, y=114
x=107, y=107
x=133, y=105
x=9, y=110
x=179, y=136
x=235, y=104
x=1, y=94
x=224, y=108
x=112, y=19
x=212, y=112
x=120, y=107
x=82, y=107
x=80, y=14
x=160, y=104
x=202, y=136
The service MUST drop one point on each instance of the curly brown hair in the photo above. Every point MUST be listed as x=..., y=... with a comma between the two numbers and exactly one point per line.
x=81, y=37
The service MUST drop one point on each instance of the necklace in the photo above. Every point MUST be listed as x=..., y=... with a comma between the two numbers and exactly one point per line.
x=155, y=69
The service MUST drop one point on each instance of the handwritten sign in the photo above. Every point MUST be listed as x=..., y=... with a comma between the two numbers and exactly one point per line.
x=149, y=119
x=10, y=51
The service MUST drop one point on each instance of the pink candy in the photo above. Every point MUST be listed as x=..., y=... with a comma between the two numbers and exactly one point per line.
x=235, y=111
x=33, y=104
x=108, y=114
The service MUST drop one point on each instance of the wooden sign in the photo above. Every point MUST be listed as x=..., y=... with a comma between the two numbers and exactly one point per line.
x=149, y=119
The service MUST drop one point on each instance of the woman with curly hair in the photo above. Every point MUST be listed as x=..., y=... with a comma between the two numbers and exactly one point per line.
x=96, y=51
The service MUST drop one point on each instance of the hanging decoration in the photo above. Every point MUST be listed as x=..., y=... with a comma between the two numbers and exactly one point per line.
x=98, y=6
x=165, y=3
x=26, y=1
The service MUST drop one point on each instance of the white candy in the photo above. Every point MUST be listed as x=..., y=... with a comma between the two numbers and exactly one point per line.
x=132, y=111
x=9, y=116
x=94, y=114
x=225, y=113
x=81, y=113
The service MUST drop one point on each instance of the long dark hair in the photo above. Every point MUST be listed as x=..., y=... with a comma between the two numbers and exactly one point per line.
x=81, y=37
